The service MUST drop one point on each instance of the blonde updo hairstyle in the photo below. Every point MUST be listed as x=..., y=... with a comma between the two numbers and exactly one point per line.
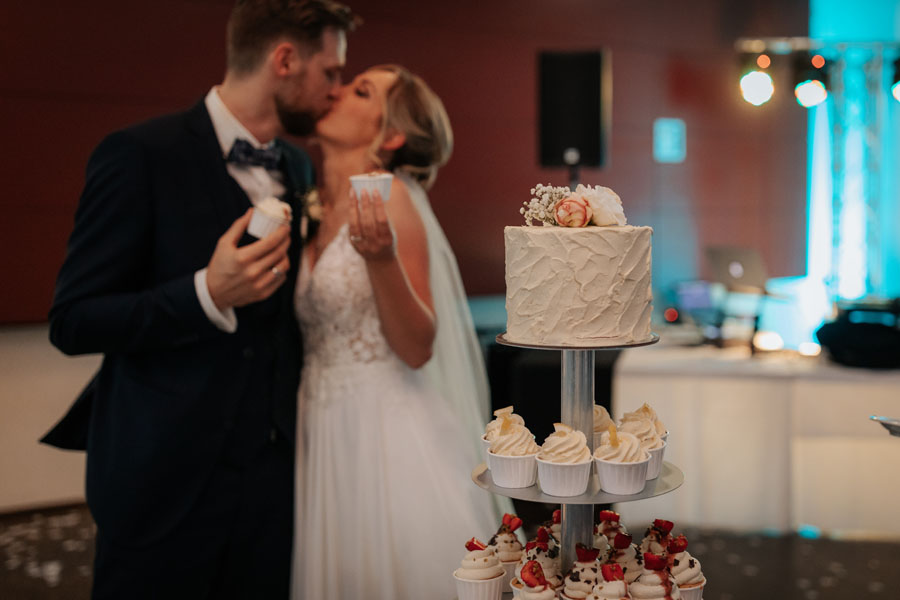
x=413, y=109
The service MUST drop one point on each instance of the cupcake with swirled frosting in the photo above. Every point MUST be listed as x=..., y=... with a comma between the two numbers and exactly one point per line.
x=512, y=456
x=534, y=584
x=480, y=574
x=507, y=545
x=655, y=582
x=644, y=429
x=611, y=585
x=621, y=463
x=545, y=551
x=625, y=553
x=492, y=429
x=564, y=462
x=583, y=576
x=685, y=569
x=657, y=537
x=646, y=412
x=602, y=421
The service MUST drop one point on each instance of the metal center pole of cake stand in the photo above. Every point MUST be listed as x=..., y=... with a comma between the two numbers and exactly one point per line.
x=577, y=411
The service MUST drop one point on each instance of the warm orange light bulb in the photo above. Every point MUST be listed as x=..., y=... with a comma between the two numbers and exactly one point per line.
x=763, y=61
x=818, y=61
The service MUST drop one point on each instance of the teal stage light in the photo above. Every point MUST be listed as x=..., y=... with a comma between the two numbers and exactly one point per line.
x=811, y=80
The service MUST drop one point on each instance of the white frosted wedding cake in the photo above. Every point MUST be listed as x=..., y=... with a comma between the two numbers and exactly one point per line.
x=582, y=276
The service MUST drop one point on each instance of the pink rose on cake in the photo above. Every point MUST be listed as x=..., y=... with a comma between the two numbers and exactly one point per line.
x=573, y=211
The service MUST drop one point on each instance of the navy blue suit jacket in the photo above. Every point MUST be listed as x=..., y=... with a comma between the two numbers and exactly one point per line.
x=167, y=399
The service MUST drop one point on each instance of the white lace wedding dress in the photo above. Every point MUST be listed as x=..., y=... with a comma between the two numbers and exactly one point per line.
x=384, y=495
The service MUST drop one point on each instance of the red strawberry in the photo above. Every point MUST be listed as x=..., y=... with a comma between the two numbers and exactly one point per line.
x=677, y=545
x=655, y=562
x=557, y=516
x=475, y=544
x=663, y=525
x=542, y=545
x=532, y=574
x=612, y=572
x=609, y=515
x=512, y=522
x=543, y=535
x=622, y=541
x=585, y=554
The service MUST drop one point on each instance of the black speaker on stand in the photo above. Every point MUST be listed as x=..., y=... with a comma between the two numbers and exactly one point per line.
x=574, y=110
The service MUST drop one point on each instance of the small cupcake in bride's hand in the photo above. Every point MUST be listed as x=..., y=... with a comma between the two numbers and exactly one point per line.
x=512, y=456
x=492, y=429
x=480, y=574
x=507, y=546
x=621, y=463
x=564, y=462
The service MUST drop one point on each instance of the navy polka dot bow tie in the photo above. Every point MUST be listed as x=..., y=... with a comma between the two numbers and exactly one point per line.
x=244, y=153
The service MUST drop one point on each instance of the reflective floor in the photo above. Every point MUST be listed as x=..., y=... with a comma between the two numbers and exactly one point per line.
x=47, y=555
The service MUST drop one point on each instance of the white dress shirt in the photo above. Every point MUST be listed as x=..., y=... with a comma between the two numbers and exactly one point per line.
x=257, y=182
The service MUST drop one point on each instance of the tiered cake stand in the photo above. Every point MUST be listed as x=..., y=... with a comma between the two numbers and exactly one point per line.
x=577, y=411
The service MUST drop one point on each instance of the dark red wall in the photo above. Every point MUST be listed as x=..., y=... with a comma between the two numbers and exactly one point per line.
x=73, y=71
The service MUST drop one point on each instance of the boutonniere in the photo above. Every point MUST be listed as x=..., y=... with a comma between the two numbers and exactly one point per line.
x=311, y=211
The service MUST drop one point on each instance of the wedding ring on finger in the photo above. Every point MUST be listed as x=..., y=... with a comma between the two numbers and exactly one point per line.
x=277, y=272
x=355, y=239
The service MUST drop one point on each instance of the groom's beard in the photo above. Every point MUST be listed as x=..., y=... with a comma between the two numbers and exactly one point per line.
x=300, y=123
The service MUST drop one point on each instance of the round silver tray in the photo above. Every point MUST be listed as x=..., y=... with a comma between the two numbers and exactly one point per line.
x=892, y=425
x=670, y=478
x=505, y=341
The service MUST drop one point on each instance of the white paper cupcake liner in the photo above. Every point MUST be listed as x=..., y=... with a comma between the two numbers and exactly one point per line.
x=380, y=183
x=656, y=461
x=563, y=479
x=622, y=479
x=487, y=589
x=693, y=593
x=513, y=471
x=516, y=586
x=485, y=445
x=510, y=573
x=262, y=224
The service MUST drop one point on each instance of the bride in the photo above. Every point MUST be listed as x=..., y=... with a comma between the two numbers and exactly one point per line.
x=393, y=393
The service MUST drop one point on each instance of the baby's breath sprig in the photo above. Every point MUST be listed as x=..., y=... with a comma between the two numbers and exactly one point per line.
x=543, y=200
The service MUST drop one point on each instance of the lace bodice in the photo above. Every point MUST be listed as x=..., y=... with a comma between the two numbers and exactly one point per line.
x=336, y=309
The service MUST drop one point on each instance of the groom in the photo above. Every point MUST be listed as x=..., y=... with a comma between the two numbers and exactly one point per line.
x=189, y=424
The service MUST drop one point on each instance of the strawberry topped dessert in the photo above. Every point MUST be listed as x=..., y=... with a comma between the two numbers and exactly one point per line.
x=480, y=574
x=625, y=553
x=505, y=543
x=657, y=537
x=610, y=524
x=611, y=585
x=685, y=569
x=534, y=585
x=545, y=551
x=583, y=576
x=655, y=582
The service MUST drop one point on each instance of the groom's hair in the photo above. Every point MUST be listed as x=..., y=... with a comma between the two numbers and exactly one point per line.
x=255, y=24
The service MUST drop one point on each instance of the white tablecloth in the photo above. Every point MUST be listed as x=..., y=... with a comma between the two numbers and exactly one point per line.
x=768, y=442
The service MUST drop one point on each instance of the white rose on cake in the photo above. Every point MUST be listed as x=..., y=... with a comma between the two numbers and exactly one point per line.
x=606, y=205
